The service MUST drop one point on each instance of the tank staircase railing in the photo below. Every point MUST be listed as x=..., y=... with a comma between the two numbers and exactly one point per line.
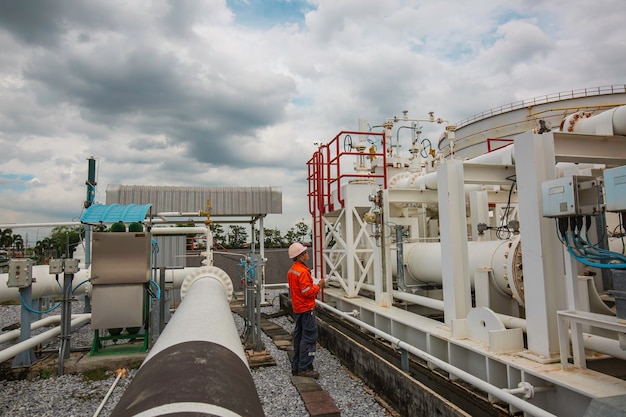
x=327, y=174
x=548, y=98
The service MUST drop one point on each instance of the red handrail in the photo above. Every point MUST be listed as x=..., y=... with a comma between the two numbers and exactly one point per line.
x=325, y=176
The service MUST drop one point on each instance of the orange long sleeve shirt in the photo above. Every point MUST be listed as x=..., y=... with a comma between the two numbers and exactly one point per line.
x=303, y=290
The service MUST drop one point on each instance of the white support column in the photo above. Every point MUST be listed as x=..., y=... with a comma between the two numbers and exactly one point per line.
x=350, y=248
x=479, y=212
x=453, y=226
x=541, y=250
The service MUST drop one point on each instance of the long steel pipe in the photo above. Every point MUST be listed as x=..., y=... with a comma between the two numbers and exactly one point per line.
x=47, y=285
x=592, y=342
x=200, y=354
x=12, y=351
x=14, y=334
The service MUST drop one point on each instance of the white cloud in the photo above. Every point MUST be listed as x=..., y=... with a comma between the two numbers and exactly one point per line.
x=184, y=93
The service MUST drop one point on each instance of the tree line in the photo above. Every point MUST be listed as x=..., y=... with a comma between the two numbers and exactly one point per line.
x=236, y=236
x=63, y=240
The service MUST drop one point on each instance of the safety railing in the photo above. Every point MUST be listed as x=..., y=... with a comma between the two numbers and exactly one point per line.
x=548, y=98
x=327, y=174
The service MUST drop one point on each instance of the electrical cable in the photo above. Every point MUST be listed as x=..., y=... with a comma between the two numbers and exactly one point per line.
x=580, y=249
x=156, y=296
x=505, y=216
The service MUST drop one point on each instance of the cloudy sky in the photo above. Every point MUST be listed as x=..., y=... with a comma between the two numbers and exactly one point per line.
x=236, y=92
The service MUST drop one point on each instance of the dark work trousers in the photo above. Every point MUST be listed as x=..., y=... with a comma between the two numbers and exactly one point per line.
x=304, y=338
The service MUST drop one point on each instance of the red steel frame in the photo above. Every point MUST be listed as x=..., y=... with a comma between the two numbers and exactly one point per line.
x=490, y=148
x=325, y=177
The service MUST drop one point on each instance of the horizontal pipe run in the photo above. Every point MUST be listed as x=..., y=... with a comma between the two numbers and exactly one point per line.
x=497, y=392
x=592, y=342
x=14, y=334
x=20, y=347
x=178, y=230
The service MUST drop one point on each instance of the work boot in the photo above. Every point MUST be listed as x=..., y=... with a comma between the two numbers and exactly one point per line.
x=294, y=372
x=309, y=373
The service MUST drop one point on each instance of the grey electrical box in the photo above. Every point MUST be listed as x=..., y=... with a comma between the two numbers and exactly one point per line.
x=570, y=196
x=71, y=266
x=615, y=189
x=55, y=266
x=20, y=273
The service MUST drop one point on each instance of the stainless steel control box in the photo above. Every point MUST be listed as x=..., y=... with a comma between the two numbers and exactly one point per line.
x=120, y=258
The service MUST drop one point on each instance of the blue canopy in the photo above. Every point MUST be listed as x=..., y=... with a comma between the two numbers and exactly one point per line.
x=114, y=213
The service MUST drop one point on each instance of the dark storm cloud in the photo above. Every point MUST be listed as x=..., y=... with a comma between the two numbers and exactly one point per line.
x=33, y=22
x=155, y=93
x=43, y=22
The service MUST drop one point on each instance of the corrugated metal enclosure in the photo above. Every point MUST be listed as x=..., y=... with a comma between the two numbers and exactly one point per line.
x=225, y=201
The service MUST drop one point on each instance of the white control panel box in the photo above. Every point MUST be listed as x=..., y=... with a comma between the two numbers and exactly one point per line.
x=615, y=189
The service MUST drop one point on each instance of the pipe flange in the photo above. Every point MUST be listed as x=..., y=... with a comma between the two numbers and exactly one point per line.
x=208, y=272
x=516, y=271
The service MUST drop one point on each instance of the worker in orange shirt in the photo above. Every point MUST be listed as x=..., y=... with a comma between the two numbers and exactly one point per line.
x=303, y=293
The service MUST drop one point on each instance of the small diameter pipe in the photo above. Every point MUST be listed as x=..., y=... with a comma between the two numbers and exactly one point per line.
x=497, y=392
x=119, y=374
x=14, y=334
x=200, y=354
x=8, y=353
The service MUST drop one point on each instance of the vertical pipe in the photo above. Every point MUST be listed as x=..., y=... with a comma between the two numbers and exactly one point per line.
x=66, y=317
x=26, y=357
x=91, y=195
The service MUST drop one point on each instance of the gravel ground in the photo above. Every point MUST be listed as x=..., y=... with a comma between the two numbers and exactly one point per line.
x=74, y=396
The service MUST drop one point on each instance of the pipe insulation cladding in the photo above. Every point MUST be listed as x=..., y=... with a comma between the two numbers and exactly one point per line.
x=423, y=260
x=197, y=366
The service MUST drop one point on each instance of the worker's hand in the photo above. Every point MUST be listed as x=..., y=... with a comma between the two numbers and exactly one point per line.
x=322, y=282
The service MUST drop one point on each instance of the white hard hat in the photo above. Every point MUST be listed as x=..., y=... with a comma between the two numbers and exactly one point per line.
x=296, y=249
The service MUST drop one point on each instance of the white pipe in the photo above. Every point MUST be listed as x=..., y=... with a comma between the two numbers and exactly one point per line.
x=179, y=230
x=47, y=285
x=44, y=283
x=592, y=342
x=119, y=374
x=53, y=224
x=610, y=122
x=20, y=347
x=412, y=298
x=423, y=260
x=195, y=319
x=509, y=322
x=199, y=350
x=14, y=334
x=497, y=392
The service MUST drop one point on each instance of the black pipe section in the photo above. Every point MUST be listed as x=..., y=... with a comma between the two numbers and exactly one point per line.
x=197, y=378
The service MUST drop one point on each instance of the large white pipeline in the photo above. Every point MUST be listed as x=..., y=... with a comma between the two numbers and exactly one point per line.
x=200, y=354
x=46, y=284
x=610, y=122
